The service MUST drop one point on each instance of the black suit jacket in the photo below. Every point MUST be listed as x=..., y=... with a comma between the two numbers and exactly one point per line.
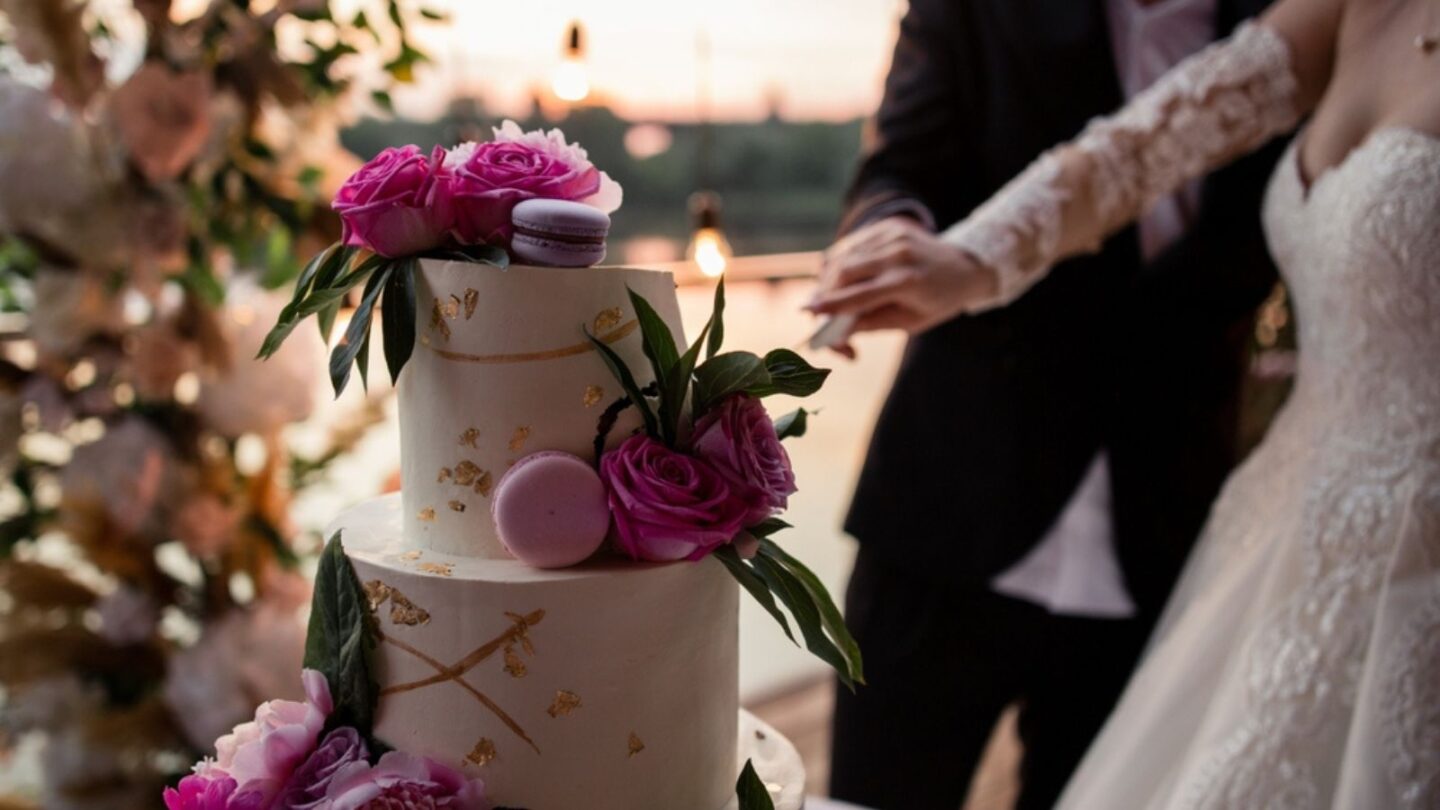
x=994, y=419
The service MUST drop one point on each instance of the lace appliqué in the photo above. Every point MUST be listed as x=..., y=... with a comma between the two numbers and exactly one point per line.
x=1223, y=102
x=1412, y=710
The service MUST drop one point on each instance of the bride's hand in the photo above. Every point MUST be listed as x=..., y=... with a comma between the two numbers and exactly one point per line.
x=895, y=274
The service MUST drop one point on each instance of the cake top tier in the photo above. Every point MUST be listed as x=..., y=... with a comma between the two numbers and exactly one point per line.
x=503, y=367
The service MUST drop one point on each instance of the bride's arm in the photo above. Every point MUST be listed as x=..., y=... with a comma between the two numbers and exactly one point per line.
x=1220, y=104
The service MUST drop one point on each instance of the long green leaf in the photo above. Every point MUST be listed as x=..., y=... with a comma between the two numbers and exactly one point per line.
x=717, y=321
x=789, y=374
x=627, y=382
x=398, y=316
x=830, y=617
x=659, y=347
x=341, y=638
x=752, y=582
x=798, y=601
x=750, y=790
x=357, y=333
x=792, y=424
x=726, y=374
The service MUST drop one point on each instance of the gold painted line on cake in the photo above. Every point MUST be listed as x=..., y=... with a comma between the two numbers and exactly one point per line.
x=531, y=357
x=455, y=673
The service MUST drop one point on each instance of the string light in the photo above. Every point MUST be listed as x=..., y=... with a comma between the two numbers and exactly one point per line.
x=571, y=82
x=709, y=249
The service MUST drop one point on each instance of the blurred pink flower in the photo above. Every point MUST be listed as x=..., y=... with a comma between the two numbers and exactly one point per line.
x=163, y=118
x=201, y=793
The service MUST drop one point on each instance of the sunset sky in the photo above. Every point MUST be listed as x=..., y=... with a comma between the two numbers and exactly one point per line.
x=822, y=58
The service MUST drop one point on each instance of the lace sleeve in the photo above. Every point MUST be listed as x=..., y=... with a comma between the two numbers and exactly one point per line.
x=1220, y=103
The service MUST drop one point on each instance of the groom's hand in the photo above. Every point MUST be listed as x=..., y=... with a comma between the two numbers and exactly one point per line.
x=896, y=274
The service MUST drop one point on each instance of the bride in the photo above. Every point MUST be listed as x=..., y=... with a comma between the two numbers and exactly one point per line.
x=1298, y=663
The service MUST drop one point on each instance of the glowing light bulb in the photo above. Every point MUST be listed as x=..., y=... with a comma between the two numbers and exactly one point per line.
x=710, y=251
x=571, y=82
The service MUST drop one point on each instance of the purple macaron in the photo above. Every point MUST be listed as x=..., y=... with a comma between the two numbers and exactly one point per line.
x=558, y=233
x=550, y=510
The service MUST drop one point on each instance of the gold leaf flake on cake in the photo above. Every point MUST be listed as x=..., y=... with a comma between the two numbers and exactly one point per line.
x=467, y=439
x=514, y=664
x=472, y=300
x=452, y=307
x=407, y=613
x=437, y=320
x=457, y=506
x=466, y=472
x=376, y=592
x=518, y=439
x=482, y=754
x=445, y=475
x=564, y=703
x=427, y=515
x=424, y=340
x=410, y=555
x=483, y=484
x=439, y=569
x=593, y=395
x=608, y=319
x=636, y=744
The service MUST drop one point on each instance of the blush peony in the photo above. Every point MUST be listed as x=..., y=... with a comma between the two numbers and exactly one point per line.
x=401, y=781
x=739, y=440
x=262, y=754
x=667, y=505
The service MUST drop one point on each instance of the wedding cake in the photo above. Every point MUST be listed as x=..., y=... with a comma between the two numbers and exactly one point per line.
x=608, y=685
x=546, y=616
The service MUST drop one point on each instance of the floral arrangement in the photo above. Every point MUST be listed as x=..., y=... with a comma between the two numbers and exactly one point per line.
x=405, y=205
x=712, y=481
x=159, y=169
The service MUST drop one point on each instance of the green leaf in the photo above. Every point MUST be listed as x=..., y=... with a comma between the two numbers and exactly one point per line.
x=768, y=527
x=726, y=374
x=487, y=254
x=784, y=584
x=717, y=321
x=792, y=424
x=398, y=317
x=672, y=397
x=627, y=382
x=357, y=334
x=325, y=319
x=830, y=617
x=659, y=347
x=751, y=582
x=383, y=100
x=750, y=790
x=432, y=14
x=341, y=638
x=789, y=374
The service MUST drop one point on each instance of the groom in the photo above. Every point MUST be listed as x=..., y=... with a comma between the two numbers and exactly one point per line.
x=1039, y=472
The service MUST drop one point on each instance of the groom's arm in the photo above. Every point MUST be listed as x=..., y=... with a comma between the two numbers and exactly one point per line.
x=914, y=153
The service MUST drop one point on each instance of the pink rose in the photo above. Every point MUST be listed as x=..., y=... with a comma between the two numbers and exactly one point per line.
x=667, y=505
x=403, y=781
x=483, y=182
x=738, y=439
x=261, y=755
x=387, y=206
x=197, y=792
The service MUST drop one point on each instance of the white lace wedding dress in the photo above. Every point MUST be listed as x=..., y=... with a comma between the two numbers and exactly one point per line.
x=1298, y=664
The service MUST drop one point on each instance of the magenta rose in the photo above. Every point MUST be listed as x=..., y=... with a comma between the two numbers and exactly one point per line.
x=667, y=505
x=739, y=440
x=481, y=183
x=388, y=205
x=401, y=781
x=310, y=782
x=196, y=792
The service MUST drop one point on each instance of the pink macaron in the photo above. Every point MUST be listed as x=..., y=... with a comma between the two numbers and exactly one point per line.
x=550, y=510
x=558, y=233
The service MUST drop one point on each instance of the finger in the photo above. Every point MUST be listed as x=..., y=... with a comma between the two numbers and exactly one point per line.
x=884, y=289
x=891, y=316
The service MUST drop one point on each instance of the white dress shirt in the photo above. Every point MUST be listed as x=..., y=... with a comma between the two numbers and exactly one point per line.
x=1074, y=570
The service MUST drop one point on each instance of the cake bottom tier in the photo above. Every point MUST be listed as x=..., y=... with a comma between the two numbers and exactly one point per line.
x=609, y=686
